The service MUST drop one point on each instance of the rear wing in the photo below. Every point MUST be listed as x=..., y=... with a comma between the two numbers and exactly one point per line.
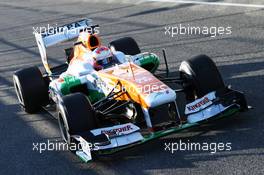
x=52, y=36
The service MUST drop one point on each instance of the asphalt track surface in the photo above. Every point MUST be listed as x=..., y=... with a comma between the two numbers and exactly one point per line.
x=240, y=58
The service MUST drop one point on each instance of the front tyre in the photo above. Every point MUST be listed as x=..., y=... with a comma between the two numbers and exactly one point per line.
x=75, y=115
x=201, y=76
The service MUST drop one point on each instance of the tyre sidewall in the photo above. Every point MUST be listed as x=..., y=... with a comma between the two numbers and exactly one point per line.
x=31, y=89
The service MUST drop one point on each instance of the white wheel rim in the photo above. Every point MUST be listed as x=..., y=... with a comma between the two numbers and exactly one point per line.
x=18, y=90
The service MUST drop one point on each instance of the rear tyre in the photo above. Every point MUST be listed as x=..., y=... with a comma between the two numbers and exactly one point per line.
x=75, y=115
x=31, y=89
x=127, y=45
x=201, y=76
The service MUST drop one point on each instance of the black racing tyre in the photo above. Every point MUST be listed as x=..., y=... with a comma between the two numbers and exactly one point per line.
x=31, y=89
x=201, y=75
x=127, y=45
x=75, y=115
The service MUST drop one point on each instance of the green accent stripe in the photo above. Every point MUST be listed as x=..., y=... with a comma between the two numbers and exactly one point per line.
x=69, y=82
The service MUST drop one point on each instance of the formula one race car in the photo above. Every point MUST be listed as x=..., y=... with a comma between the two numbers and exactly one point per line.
x=119, y=106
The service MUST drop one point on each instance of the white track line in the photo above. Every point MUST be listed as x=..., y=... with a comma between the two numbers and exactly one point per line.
x=212, y=3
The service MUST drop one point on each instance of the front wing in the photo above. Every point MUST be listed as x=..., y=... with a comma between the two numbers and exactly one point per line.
x=121, y=137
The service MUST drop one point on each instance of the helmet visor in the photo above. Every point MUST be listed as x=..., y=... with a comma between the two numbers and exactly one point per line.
x=107, y=62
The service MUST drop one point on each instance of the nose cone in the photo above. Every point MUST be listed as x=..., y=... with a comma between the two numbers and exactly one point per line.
x=161, y=97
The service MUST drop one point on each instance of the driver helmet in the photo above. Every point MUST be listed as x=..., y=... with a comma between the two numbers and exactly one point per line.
x=103, y=58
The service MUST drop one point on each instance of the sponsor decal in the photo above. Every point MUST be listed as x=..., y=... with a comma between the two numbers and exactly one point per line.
x=199, y=104
x=117, y=131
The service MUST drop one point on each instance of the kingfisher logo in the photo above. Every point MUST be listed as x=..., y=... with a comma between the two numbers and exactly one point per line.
x=199, y=104
x=117, y=131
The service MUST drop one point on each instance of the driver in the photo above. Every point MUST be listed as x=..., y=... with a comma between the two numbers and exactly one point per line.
x=89, y=50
